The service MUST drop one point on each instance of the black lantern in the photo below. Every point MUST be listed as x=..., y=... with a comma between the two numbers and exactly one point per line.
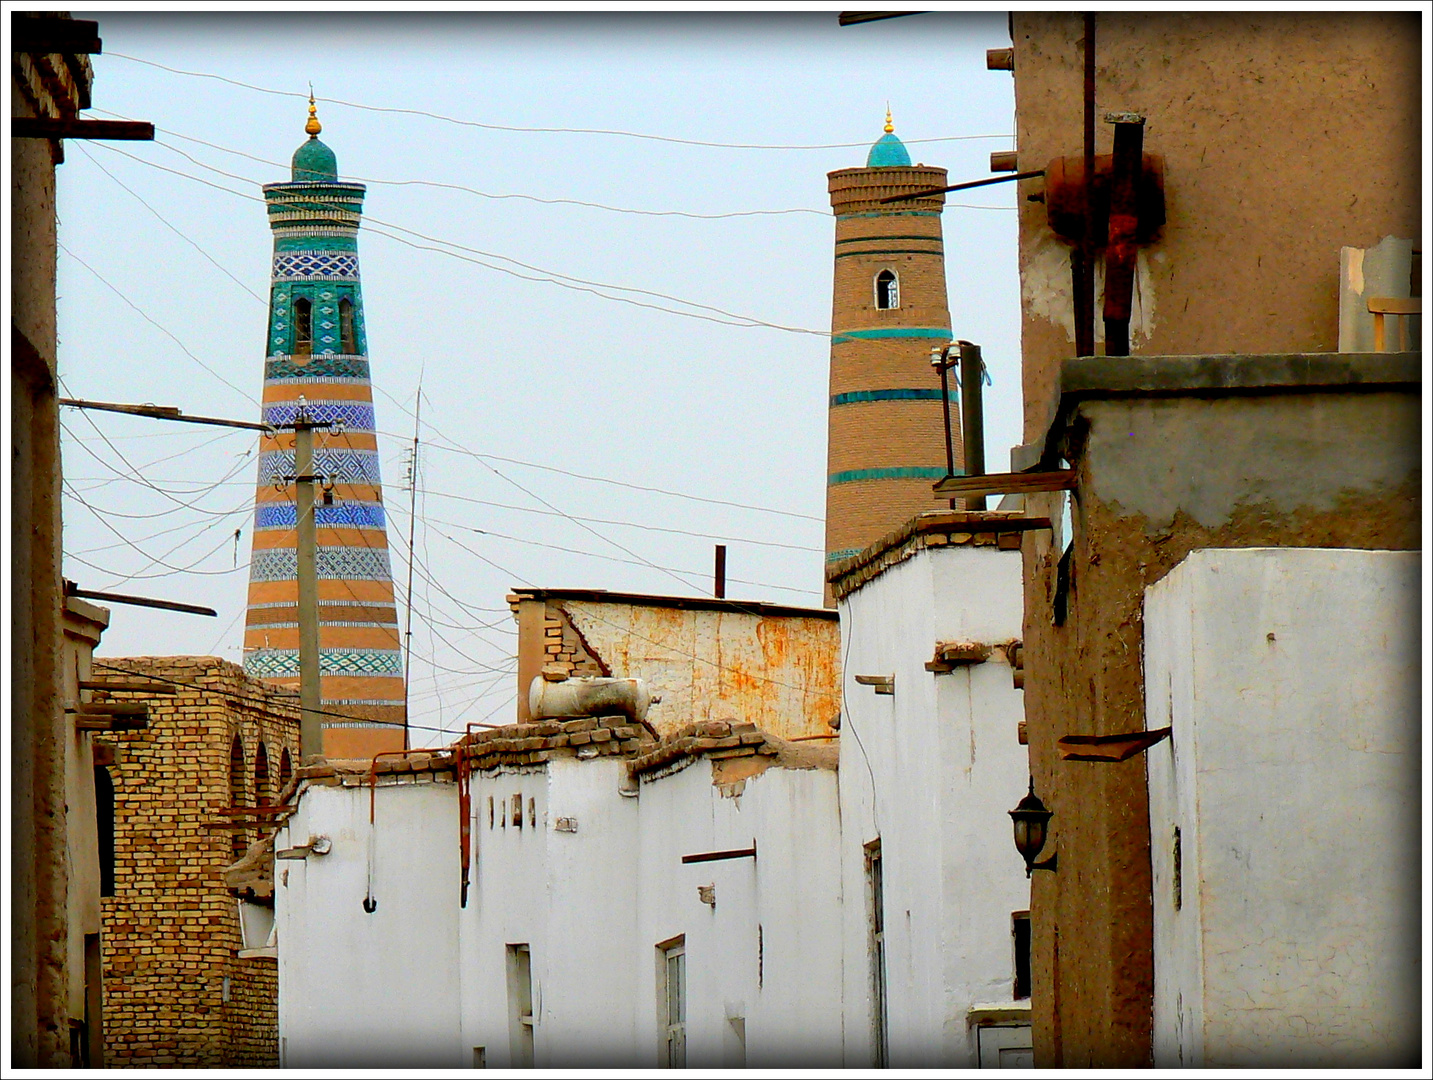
x=1031, y=820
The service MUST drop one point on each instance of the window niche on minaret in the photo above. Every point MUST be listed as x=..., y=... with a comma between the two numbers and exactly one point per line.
x=303, y=326
x=347, y=331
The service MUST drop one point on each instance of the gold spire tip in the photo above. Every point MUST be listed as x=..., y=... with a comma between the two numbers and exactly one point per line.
x=890, y=127
x=313, y=127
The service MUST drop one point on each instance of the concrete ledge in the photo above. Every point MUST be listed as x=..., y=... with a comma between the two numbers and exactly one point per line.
x=1108, y=376
x=1084, y=378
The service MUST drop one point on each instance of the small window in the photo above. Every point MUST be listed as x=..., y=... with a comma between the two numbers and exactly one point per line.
x=286, y=769
x=876, y=922
x=888, y=290
x=1020, y=930
x=517, y=810
x=347, y=333
x=303, y=327
x=672, y=1000
x=520, y=1018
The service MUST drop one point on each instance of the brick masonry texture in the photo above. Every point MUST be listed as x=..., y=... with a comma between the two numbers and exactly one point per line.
x=171, y=931
x=905, y=238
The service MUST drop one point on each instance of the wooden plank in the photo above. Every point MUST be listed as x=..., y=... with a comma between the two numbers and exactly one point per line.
x=1395, y=305
x=1005, y=483
x=37, y=127
x=1109, y=747
x=110, y=708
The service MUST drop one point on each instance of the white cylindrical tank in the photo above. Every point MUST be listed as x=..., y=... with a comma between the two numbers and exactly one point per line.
x=588, y=697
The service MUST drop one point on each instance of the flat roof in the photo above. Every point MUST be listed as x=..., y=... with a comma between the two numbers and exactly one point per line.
x=685, y=603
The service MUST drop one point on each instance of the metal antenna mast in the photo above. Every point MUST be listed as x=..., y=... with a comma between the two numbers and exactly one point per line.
x=412, y=522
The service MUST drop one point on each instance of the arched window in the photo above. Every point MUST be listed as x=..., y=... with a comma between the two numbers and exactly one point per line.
x=262, y=795
x=286, y=769
x=237, y=839
x=348, y=335
x=303, y=326
x=888, y=290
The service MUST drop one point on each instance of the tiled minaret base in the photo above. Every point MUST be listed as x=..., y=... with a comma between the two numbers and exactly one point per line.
x=317, y=361
x=886, y=437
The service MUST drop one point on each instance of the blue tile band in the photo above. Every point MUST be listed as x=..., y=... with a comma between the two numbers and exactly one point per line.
x=900, y=472
x=919, y=394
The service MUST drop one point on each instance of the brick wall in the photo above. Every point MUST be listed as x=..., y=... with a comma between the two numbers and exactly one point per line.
x=875, y=351
x=176, y=991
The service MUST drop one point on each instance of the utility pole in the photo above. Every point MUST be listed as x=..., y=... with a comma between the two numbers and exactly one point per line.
x=306, y=529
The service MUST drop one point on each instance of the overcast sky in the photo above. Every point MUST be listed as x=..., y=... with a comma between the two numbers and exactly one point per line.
x=166, y=302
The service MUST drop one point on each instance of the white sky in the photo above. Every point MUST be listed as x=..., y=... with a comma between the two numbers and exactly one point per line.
x=522, y=370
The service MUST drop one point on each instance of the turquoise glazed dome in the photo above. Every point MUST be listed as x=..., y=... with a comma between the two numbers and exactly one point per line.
x=314, y=162
x=888, y=152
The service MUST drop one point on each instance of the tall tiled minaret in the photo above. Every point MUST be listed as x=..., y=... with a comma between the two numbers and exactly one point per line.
x=886, y=436
x=317, y=361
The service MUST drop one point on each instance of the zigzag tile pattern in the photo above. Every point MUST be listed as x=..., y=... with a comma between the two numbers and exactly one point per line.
x=341, y=465
x=284, y=663
x=353, y=415
x=356, y=515
x=334, y=563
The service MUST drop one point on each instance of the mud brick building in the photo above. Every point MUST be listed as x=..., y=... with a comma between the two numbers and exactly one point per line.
x=180, y=989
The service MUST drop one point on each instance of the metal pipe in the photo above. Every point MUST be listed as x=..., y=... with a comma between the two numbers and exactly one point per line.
x=719, y=578
x=972, y=374
x=1030, y=175
x=1085, y=270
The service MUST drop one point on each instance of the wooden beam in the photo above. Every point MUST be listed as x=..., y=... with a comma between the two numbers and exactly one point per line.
x=253, y=811
x=716, y=856
x=106, y=722
x=1005, y=483
x=41, y=34
x=109, y=708
x=128, y=687
x=1109, y=747
x=33, y=127
x=138, y=601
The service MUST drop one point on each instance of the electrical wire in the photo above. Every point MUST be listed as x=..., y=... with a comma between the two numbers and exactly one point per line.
x=144, y=315
x=610, y=558
x=542, y=130
x=503, y=196
x=442, y=247
x=165, y=222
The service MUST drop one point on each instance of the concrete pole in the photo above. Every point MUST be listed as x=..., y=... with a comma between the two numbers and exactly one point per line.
x=311, y=726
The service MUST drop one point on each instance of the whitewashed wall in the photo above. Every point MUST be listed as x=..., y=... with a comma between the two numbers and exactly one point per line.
x=373, y=990
x=1290, y=677
x=423, y=982
x=931, y=772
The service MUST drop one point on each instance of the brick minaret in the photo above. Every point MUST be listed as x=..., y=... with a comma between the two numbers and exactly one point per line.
x=317, y=360
x=886, y=437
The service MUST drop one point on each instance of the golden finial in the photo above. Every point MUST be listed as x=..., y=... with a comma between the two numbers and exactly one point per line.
x=890, y=127
x=313, y=127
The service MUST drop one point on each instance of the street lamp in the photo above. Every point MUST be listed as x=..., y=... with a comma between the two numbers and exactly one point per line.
x=1031, y=821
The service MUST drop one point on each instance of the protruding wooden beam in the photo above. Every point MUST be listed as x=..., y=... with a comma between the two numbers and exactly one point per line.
x=1005, y=483
x=1109, y=747
x=43, y=127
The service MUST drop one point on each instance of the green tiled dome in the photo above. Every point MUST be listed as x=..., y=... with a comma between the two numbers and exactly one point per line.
x=315, y=162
